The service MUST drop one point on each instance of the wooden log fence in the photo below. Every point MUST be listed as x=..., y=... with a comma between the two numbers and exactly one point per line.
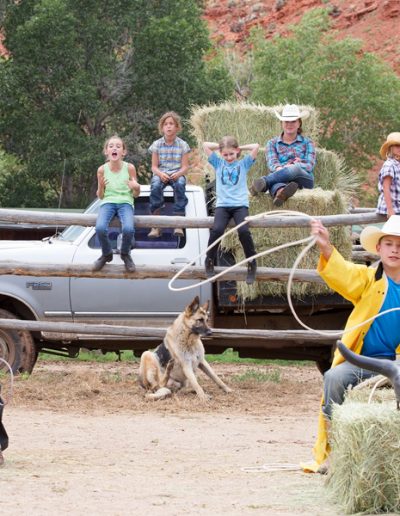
x=162, y=221
x=131, y=331
x=144, y=272
x=361, y=216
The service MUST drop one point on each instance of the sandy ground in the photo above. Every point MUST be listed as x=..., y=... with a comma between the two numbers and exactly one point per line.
x=84, y=441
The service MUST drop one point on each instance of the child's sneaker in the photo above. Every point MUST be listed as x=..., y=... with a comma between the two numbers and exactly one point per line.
x=154, y=233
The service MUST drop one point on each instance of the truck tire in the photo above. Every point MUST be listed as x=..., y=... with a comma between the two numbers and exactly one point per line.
x=17, y=347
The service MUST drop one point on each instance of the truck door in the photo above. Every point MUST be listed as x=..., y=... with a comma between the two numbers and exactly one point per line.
x=146, y=302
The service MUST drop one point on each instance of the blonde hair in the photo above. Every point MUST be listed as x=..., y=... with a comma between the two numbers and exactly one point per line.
x=228, y=142
x=111, y=138
x=175, y=117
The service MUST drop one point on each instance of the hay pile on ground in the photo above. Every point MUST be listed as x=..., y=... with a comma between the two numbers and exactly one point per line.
x=251, y=123
x=364, y=475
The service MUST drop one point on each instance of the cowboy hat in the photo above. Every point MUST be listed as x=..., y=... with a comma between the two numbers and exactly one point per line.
x=392, y=139
x=291, y=112
x=371, y=235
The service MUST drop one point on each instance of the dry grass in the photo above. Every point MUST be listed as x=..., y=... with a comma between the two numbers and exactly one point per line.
x=365, y=467
x=92, y=387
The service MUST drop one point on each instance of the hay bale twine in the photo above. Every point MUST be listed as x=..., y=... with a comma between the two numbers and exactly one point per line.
x=364, y=474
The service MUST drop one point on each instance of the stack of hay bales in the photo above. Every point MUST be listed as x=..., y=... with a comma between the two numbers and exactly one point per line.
x=252, y=123
x=364, y=472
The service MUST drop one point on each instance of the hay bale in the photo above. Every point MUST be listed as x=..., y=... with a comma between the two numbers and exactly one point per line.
x=313, y=202
x=251, y=123
x=364, y=474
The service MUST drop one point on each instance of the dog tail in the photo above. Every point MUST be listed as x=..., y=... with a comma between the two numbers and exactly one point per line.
x=160, y=394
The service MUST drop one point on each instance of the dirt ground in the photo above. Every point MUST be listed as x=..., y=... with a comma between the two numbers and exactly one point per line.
x=83, y=440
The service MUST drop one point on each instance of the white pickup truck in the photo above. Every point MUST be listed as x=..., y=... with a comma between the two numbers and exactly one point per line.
x=136, y=302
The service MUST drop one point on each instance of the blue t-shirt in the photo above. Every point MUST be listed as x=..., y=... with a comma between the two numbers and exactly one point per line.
x=231, y=181
x=383, y=337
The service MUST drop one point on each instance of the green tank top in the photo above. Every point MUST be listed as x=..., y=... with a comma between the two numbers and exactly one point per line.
x=117, y=189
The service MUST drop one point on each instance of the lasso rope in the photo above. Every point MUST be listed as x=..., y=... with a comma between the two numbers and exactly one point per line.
x=10, y=394
x=310, y=241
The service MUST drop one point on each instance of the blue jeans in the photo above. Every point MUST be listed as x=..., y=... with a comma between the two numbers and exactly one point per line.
x=125, y=213
x=336, y=381
x=157, y=194
x=281, y=178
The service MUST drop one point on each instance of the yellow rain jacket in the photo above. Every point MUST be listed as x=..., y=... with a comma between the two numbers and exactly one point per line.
x=366, y=288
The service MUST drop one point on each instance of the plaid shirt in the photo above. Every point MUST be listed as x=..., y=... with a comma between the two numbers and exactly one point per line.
x=391, y=168
x=169, y=156
x=279, y=153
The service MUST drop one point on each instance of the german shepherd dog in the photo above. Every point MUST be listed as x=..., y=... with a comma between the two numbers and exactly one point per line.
x=172, y=365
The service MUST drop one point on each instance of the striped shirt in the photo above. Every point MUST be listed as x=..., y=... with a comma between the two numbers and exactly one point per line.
x=169, y=156
x=391, y=168
x=279, y=153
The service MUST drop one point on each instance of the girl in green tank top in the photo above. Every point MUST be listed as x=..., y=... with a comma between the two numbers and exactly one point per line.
x=116, y=187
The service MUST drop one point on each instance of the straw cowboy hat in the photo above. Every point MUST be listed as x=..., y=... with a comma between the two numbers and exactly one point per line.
x=392, y=139
x=291, y=112
x=371, y=235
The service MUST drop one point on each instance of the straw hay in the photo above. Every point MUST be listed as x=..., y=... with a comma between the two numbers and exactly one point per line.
x=253, y=123
x=364, y=473
x=313, y=202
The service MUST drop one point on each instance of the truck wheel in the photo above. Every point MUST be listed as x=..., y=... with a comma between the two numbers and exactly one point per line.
x=16, y=347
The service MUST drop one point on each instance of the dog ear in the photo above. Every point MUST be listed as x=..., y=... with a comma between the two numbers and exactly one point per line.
x=194, y=305
x=206, y=305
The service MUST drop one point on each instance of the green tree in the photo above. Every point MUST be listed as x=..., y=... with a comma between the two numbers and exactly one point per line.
x=355, y=92
x=81, y=70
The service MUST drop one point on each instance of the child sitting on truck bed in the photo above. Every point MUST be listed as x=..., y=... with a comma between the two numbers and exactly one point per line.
x=117, y=186
x=232, y=197
x=169, y=164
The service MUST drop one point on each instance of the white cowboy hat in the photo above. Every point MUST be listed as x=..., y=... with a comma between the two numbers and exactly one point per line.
x=291, y=112
x=371, y=235
x=392, y=139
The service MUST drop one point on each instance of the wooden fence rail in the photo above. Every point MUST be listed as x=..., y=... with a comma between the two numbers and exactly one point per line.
x=144, y=272
x=162, y=221
x=131, y=331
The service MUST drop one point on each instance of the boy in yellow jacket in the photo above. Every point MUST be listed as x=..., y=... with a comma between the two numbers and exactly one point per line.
x=372, y=290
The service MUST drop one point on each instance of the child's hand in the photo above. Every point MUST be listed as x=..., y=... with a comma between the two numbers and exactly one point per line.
x=164, y=177
x=175, y=176
x=132, y=184
x=319, y=231
x=102, y=182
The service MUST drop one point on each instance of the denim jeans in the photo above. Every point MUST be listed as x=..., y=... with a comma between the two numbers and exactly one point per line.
x=125, y=213
x=221, y=219
x=281, y=178
x=157, y=194
x=337, y=380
